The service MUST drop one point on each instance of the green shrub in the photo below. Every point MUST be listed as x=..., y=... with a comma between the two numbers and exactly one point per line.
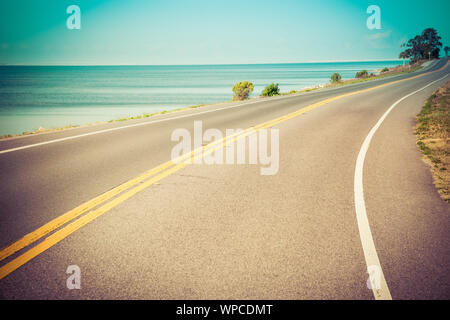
x=335, y=77
x=362, y=74
x=271, y=90
x=242, y=90
x=385, y=70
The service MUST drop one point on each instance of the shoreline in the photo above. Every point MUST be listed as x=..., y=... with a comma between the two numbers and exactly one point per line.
x=195, y=64
x=392, y=72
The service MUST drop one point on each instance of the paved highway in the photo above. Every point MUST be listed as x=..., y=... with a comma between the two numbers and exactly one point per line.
x=226, y=231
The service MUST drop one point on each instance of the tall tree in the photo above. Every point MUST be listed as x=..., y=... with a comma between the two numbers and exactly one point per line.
x=426, y=45
x=431, y=42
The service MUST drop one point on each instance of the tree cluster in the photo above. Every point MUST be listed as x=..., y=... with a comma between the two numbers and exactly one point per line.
x=424, y=46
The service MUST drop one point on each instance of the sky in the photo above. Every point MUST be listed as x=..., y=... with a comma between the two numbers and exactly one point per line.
x=174, y=32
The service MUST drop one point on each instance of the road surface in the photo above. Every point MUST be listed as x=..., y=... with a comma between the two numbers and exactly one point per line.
x=226, y=231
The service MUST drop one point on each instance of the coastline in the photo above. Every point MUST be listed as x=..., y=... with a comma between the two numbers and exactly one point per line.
x=392, y=72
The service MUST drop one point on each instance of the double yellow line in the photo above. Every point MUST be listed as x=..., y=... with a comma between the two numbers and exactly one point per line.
x=77, y=217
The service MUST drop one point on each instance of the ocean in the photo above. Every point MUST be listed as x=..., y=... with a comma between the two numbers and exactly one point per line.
x=57, y=96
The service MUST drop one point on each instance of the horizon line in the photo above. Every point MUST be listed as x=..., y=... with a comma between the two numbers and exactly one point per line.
x=194, y=64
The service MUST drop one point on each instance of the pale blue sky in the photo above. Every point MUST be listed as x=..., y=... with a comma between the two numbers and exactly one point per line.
x=210, y=31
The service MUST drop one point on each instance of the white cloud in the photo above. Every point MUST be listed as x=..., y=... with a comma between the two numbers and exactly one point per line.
x=380, y=35
x=379, y=40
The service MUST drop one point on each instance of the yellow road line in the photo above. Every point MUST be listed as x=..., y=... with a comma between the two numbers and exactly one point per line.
x=74, y=213
x=92, y=215
x=81, y=209
x=171, y=168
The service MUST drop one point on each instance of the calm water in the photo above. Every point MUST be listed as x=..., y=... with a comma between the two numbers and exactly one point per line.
x=49, y=97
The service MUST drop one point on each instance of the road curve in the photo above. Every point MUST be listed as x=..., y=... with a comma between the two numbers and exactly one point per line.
x=225, y=231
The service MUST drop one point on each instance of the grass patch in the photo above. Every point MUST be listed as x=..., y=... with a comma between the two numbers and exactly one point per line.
x=299, y=91
x=433, y=137
x=147, y=115
x=392, y=72
x=386, y=72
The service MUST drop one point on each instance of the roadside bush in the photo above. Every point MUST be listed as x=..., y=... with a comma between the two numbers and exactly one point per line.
x=362, y=74
x=242, y=90
x=271, y=90
x=335, y=77
x=385, y=70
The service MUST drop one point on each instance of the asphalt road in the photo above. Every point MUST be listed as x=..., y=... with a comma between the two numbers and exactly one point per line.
x=226, y=231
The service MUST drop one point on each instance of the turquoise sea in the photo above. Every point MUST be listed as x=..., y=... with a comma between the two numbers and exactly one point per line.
x=57, y=96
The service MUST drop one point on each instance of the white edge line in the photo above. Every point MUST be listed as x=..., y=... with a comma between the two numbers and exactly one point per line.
x=142, y=124
x=382, y=291
x=125, y=127
x=145, y=123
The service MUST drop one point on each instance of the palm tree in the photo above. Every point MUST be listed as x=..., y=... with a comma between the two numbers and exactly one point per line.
x=446, y=49
x=404, y=55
